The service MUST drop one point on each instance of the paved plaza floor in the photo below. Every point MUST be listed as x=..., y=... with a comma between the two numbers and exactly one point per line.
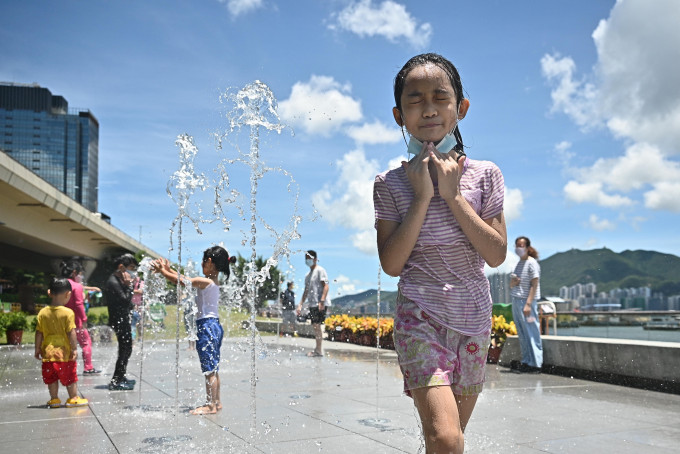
x=345, y=402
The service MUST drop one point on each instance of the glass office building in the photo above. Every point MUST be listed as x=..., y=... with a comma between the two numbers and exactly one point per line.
x=60, y=145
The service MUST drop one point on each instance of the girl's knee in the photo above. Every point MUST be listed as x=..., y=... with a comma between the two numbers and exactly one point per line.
x=445, y=440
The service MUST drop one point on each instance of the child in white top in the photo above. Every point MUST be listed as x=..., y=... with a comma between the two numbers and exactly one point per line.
x=209, y=331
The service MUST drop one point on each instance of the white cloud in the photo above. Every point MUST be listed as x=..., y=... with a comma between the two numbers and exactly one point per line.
x=388, y=19
x=349, y=201
x=639, y=68
x=595, y=223
x=343, y=285
x=513, y=204
x=366, y=241
x=238, y=7
x=592, y=192
x=564, y=154
x=664, y=196
x=641, y=165
x=374, y=133
x=573, y=97
x=634, y=91
x=320, y=106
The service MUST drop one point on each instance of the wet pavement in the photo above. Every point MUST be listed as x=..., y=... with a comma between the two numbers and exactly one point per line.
x=344, y=402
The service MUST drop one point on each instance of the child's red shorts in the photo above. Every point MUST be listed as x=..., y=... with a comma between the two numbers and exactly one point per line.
x=65, y=372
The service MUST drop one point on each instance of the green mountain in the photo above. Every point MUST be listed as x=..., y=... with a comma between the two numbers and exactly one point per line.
x=609, y=270
x=365, y=301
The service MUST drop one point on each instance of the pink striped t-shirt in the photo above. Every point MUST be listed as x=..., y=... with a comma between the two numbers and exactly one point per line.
x=444, y=274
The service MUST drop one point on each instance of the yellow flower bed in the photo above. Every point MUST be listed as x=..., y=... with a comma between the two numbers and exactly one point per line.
x=360, y=330
x=500, y=329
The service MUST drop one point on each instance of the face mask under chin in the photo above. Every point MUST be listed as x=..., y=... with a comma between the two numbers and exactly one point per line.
x=444, y=146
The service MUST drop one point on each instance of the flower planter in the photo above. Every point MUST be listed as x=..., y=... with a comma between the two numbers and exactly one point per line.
x=494, y=354
x=14, y=336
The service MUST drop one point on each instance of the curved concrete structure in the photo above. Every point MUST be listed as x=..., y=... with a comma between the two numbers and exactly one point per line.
x=39, y=224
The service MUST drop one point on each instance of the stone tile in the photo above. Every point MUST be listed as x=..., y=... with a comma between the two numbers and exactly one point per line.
x=327, y=404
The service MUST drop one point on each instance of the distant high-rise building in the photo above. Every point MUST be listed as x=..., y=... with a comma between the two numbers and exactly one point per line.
x=60, y=146
x=500, y=287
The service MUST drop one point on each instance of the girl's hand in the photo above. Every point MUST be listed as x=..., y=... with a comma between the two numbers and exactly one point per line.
x=527, y=310
x=418, y=174
x=158, y=265
x=449, y=172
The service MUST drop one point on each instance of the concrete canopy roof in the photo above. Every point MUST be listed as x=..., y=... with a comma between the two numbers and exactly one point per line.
x=37, y=221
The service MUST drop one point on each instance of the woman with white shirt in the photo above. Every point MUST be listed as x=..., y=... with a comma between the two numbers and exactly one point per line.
x=525, y=291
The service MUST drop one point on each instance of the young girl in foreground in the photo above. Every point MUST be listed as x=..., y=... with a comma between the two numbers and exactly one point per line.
x=209, y=331
x=439, y=217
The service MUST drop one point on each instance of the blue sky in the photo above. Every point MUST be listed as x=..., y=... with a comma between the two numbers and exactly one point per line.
x=577, y=102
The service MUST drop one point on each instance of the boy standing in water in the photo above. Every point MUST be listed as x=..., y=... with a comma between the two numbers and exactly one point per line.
x=57, y=346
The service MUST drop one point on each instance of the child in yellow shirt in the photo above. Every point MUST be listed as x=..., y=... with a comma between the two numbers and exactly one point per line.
x=56, y=345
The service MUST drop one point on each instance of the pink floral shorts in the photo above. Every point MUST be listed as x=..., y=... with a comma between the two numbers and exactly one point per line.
x=433, y=355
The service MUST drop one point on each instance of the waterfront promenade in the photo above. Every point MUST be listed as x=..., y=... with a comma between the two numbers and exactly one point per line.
x=344, y=402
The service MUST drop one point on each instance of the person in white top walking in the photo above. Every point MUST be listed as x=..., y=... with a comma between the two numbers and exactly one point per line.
x=316, y=296
x=209, y=330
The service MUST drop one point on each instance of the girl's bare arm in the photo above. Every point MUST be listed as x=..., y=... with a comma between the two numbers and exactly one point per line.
x=162, y=266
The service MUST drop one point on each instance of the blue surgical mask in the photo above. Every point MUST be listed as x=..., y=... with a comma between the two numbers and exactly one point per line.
x=309, y=262
x=444, y=146
x=131, y=273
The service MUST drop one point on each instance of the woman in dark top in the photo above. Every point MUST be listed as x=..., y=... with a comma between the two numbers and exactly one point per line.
x=118, y=296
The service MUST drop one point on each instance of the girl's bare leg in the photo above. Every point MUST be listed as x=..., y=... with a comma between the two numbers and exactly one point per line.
x=212, y=391
x=443, y=416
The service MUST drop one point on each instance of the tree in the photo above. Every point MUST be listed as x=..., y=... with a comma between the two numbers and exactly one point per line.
x=268, y=289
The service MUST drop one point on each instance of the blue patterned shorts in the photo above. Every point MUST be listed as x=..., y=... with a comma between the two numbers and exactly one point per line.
x=209, y=333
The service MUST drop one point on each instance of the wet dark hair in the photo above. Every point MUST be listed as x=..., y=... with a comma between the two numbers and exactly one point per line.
x=68, y=267
x=289, y=284
x=59, y=285
x=447, y=67
x=311, y=253
x=125, y=260
x=220, y=257
x=530, y=250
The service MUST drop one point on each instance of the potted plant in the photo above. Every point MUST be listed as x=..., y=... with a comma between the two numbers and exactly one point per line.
x=16, y=323
x=500, y=329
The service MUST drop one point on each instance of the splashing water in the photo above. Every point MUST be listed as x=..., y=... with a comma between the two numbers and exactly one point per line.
x=181, y=186
x=152, y=297
x=254, y=108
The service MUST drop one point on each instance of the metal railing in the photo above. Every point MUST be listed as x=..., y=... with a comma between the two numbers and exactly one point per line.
x=662, y=326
